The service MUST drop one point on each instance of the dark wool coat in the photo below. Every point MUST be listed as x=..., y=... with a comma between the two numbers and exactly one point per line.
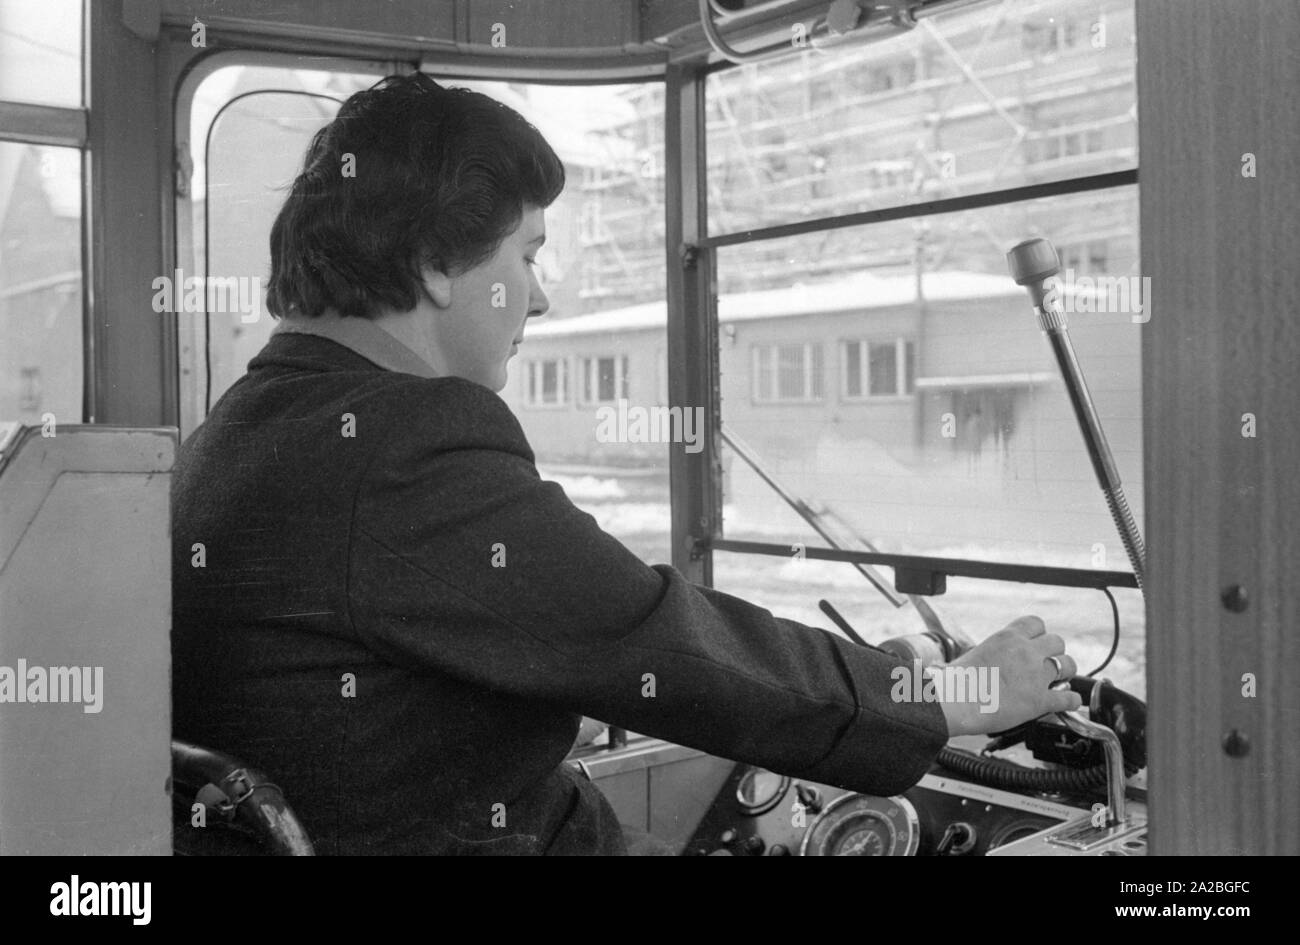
x=353, y=633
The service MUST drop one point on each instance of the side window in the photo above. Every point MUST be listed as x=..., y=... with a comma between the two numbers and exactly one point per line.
x=42, y=297
x=249, y=130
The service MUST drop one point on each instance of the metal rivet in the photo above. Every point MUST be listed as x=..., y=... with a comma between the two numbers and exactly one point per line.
x=1236, y=744
x=1234, y=598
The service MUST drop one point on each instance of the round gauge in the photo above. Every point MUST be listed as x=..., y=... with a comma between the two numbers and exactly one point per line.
x=863, y=825
x=759, y=791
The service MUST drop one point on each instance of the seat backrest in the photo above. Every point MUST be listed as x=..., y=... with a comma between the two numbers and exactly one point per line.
x=223, y=807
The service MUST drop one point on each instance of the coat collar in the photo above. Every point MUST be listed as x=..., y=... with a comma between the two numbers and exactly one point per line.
x=363, y=337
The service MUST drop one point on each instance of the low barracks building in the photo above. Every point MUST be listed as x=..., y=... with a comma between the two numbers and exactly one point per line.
x=906, y=394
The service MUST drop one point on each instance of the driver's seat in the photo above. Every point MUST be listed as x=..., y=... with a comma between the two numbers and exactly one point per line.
x=242, y=813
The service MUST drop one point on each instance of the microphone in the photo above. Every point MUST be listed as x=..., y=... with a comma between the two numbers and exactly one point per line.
x=1032, y=264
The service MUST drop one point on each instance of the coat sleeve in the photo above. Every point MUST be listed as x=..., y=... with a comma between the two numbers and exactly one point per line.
x=464, y=561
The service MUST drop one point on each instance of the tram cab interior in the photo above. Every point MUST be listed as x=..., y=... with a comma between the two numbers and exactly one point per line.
x=899, y=318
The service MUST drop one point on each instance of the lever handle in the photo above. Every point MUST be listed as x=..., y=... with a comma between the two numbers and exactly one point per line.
x=1032, y=263
x=1114, y=753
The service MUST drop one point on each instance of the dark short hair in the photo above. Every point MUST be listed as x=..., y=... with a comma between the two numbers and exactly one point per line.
x=441, y=177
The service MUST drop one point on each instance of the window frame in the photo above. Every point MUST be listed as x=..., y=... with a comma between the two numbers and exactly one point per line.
x=532, y=366
x=901, y=345
x=588, y=379
x=814, y=387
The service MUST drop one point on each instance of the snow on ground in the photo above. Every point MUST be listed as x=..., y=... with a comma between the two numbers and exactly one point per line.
x=587, y=488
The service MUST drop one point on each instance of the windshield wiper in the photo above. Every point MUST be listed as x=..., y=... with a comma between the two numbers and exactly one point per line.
x=954, y=640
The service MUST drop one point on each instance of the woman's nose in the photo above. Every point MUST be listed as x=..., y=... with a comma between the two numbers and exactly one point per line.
x=538, y=303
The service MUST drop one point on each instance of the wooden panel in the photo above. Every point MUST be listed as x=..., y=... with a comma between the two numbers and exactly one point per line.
x=1215, y=81
x=320, y=19
x=573, y=23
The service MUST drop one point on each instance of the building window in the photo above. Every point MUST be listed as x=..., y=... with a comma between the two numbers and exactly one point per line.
x=1065, y=141
x=878, y=368
x=787, y=373
x=604, y=380
x=1057, y=34
x=547, y=383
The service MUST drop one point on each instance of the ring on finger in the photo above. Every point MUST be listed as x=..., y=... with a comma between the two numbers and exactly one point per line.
x=1060, y=669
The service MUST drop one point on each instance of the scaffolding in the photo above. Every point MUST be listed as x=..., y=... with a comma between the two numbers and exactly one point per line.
x=1015, y=94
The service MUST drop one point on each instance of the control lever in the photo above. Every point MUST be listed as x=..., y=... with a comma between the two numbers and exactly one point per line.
x=1115, y=813
x=1032, y=263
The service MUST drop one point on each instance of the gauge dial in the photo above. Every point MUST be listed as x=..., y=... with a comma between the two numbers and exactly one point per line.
x=863, y=825
x=759, y=791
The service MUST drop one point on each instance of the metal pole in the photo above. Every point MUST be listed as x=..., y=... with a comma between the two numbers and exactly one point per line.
x=1032, y=263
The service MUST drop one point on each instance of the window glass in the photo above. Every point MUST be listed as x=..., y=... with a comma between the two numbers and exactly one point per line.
x=965, y=444
x=977, y=99
x=249, y=130
x=966, y=441
x=603, y=271
x=40, y=52
x=605, y=367
x=853, y=369
x=547, y=383
x=41, y=322
x=882, y=365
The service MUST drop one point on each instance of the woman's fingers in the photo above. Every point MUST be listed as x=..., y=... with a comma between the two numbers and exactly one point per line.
x=1052, y=644
x=1029, y=627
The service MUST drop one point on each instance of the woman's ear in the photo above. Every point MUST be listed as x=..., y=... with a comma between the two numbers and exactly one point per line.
x=437, y=284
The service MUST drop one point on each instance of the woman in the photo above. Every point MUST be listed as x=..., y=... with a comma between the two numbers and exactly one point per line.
x=381, y=603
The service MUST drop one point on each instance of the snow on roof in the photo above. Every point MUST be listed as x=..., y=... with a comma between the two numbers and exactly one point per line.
x=1021, y=379
x=863, y=291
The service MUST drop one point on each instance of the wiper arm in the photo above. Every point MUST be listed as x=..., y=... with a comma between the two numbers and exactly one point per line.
x=811, y=516
x=933, y=622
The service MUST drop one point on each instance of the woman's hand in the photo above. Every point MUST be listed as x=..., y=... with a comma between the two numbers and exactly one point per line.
x=1014, y=665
